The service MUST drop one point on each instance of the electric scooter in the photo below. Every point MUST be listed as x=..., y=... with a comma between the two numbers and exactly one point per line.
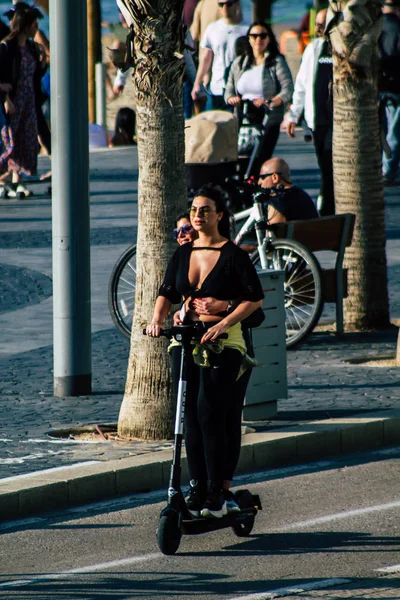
x=175, y=518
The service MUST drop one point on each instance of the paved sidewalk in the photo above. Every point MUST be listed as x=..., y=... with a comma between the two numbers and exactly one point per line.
x=321, y=384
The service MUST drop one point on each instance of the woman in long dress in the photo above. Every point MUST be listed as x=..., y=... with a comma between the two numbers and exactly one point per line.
x=22, y=66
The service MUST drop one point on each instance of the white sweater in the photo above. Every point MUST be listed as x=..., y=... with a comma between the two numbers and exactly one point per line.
x=303, y=96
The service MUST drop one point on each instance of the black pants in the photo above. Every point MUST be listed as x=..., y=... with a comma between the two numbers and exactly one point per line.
x=266, y=148
x=322, y=136
x=213, y=414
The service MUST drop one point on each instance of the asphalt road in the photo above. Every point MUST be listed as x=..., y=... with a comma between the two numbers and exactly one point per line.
x=322, y=522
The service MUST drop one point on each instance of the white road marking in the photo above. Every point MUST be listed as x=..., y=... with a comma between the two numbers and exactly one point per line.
x=342, y=515
x=392, y=569
x=82, y=570
x=293, y=589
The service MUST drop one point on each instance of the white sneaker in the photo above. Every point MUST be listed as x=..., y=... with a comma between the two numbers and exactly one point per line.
x=230, y=502
x=215, y=505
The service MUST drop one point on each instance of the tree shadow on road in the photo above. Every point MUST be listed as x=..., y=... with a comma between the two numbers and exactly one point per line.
x=177, y=583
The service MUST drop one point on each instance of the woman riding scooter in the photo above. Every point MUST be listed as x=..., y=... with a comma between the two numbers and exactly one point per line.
x=211, y=266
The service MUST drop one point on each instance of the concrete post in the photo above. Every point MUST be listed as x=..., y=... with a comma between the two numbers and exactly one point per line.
x=70, y=183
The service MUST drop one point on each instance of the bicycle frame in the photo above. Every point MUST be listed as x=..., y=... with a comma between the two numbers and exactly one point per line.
x=255, y=220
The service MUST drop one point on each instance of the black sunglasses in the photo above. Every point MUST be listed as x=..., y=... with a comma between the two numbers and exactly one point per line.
x=185, y=229
x=262, y=36
x=265, y=175
x=227, y=4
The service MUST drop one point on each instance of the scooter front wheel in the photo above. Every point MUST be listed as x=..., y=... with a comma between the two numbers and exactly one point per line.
x=169, y=533
x=243, y=527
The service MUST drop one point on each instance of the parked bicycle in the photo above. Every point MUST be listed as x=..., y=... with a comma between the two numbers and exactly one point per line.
x=302, y=287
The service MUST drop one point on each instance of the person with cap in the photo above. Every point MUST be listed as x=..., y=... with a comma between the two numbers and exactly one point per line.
x=389, y=87
x=22, y=66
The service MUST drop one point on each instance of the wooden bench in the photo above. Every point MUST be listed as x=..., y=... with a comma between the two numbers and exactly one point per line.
x=326, y=233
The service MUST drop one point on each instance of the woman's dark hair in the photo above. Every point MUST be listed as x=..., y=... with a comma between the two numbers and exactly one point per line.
x=216, y=194
x=22, y=16
x=273, y=48
x=184, y=215
x=125, y=125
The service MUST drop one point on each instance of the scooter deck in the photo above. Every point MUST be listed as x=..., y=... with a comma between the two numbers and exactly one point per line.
x=200, y=525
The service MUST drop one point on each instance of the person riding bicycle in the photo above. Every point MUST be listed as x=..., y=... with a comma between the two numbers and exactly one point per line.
x=211, y=266
x=288, y=202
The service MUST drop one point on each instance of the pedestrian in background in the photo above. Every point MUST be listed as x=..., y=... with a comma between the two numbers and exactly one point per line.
x=389, y=86
x=313, y=98
x=125, y=128
x=22, y=66
x=261, y=76
x=218, y=51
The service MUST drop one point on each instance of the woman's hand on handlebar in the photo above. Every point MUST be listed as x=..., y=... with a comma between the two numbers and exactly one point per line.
x=234, y=101
x=213, y=332
x=177, y=318
x=259, y=102
x=153, y=329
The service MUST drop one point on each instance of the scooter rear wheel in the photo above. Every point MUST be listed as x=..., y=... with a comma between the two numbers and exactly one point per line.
x=169, y=534
x=244, y=499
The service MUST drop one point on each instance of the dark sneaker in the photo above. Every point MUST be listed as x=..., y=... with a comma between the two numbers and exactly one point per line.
x=215, y=505
x=231, y=504
x=195, y=498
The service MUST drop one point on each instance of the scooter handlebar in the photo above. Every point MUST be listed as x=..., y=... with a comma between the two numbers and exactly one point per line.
x=169, y=333
x=163, y=332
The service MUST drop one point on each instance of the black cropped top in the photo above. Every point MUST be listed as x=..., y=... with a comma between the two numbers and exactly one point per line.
x=233, y=276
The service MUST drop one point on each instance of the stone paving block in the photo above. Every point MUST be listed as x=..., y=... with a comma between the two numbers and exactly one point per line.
x=246, y=459
x=43, y=497
x=391, y=431
x=9, y=506
x=318, y=444
x=142, y=478
x=361, y=434
x=84, y=489
x=279, y=449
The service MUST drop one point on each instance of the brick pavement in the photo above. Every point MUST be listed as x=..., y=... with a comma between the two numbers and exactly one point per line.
x=321, y=384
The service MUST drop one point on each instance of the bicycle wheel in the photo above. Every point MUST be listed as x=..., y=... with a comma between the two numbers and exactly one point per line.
x=121, y=291
x=302, y=287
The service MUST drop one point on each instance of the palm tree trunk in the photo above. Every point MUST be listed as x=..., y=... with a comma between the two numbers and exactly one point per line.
x=147, y=408
x=357, y=159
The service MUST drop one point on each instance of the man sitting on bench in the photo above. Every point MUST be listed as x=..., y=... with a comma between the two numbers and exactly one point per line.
x=293, y=203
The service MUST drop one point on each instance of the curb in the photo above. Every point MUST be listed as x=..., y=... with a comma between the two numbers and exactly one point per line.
x=75, y=485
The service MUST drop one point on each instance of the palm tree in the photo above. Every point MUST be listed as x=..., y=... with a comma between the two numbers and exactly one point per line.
x=158, y=68
x=353, y=33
